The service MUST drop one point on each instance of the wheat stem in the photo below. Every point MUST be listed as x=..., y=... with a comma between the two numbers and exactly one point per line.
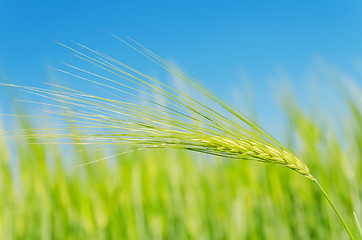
x=334, y=208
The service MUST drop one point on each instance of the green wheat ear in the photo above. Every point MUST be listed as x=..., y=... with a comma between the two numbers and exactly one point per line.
x=170, y=118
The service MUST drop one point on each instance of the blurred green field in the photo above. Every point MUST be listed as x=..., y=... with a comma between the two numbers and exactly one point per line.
x=174, y=194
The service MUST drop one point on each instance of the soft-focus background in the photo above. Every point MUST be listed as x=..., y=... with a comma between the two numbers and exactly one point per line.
x=251, y=53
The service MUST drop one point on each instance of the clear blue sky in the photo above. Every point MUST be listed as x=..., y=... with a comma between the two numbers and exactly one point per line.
x=213, y=41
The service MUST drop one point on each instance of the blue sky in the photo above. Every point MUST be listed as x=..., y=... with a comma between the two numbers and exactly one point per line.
x=212, y=41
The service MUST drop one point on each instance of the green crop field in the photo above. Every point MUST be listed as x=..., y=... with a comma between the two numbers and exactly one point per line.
x=172, y=193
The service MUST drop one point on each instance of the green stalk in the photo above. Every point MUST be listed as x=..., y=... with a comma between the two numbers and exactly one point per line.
x=334, y=208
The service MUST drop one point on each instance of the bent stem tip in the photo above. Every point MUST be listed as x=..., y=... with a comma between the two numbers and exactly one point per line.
x=334, y=208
